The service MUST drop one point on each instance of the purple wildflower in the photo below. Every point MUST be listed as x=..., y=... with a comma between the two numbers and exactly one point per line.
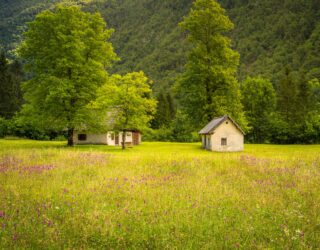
x=48, y=222
x=14, y=237
x=38, y=168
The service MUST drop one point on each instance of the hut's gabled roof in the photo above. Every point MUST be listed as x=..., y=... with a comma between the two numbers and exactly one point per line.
x=211, y=126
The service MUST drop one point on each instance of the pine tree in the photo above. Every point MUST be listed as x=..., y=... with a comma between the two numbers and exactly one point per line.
x=15, y=92
x=287, y=97
x=165, y=110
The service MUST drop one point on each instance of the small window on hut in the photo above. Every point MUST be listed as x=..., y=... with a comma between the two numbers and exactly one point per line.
x=82, y=137
x=223, y=141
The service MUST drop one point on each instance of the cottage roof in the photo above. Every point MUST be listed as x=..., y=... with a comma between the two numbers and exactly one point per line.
x=211, y=126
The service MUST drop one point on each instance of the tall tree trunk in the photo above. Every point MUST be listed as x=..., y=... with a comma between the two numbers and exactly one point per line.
x=70, y=137
x=123, y=139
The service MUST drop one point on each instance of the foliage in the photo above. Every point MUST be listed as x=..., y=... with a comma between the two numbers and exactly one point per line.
x=66, y=51
x=162, y=134
x=270, y=36
x=311, y=62
x=288, y=115
x=166, y=110
x=158, y=196
x=287, y=97
x=11, y=76
x=298, y=110
x=259, y=102
x=3, y=127
x=208, y=87
x=128, y=101
x=182, y=129
x=19, y=127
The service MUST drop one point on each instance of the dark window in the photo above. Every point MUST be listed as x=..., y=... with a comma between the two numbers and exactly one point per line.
x=112, y=136
x=223, y=141
x=82, y=137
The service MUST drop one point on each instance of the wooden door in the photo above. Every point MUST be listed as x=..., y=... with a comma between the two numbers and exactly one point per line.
x=135, y=138
x=117, y=139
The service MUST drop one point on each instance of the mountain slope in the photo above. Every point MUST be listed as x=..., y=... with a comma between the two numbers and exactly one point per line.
x=269, y=34
x=13, y=16
x=147, y=36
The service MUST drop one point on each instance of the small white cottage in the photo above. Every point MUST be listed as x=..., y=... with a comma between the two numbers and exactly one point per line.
x=133, y=137
x=222, y=134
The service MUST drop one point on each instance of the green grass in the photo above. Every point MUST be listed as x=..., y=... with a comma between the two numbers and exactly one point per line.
x=158, y=196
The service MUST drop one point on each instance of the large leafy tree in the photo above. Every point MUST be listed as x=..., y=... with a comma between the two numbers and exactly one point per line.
x=66, y=52
x=127, y=103
x=208, y=87
x=259, y=101
x=298, y=109
x=308, y=112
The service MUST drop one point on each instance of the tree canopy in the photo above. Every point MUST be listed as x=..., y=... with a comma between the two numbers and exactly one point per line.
x=259, y=101
x=270, y=36
x=66, y=52
x=208, y=86
x=127, y=102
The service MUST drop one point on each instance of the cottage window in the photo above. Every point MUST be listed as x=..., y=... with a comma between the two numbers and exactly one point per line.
x=128, y=134
x=223, y=141
x=112, y=136
x=82, y=137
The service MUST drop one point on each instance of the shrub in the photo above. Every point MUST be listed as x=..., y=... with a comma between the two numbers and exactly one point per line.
x=161, y=134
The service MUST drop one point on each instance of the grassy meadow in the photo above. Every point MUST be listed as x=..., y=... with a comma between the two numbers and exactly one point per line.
x=158, y=196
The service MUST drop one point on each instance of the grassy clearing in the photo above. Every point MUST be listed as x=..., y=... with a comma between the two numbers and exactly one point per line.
x=158, y=195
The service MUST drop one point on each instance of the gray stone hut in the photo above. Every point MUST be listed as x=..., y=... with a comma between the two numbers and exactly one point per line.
x=222, y=134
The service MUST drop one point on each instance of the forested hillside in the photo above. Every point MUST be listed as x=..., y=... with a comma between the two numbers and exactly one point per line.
x=269, y=34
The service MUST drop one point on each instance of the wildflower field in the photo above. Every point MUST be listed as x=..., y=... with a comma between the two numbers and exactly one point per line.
x=158, y=196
